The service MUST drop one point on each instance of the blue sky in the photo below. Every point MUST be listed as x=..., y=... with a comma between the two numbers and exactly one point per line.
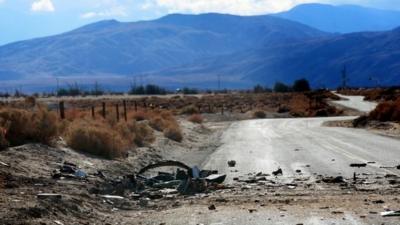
x=25, y=19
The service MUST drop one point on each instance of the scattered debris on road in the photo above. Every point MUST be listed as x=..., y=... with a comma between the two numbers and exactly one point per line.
x=277, y=172
x=333, y=180
x=69, y=170
x=189, y=181
x=49, y=196
x=232, y=163
x=390, y=213
x=212, y=207
x=358, y=165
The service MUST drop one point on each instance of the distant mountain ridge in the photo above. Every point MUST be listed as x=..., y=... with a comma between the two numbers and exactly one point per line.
x=343, y=18
x=109, y=48
x=194, y=50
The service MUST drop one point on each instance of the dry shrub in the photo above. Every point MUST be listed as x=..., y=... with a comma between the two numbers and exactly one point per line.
x=190, y=109
x=23, y=126
x=168, y=115
x=140, y=115
x=173, y=133
x=97, y=138
x=139, y=134
x=30, y=101
x=196, y=118
x=259, y=114
x=3, y=141
x=74, y=114
x=144, y=135
x=158, y=123
x=46, y=124
x=386, y=111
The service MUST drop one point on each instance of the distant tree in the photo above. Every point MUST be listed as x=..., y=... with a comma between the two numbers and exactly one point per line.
x=258, y=89
x=152, y=89
x=281, y=87
x=301, y=85
x=149, y=89
x=189, y=91
x=97, y=90
x=72, y=90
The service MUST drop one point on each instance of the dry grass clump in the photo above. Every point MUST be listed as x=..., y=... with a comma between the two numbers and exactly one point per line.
x=158, y=123
x=139, y=134
x=3, y=141
x=140, y=115
x=196, y=118
x=173, y=132
x=20, y=126
x=386, y=111
x=190, y=109
x=97, y=138
x=259, y=114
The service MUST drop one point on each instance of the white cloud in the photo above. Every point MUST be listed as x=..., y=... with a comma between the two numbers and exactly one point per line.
x=43, y=5
x=240, y=7
x=116, y=11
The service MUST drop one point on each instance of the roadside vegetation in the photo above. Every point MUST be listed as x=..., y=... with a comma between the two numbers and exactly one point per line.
x=112, y=127
x=29, y=122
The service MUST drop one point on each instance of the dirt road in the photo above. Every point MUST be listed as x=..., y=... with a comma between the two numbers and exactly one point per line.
x=355, y=102
x=305, y=144
x=302, y=144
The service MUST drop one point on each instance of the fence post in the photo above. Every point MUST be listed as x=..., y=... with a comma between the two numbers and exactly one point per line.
x=135, y=106
x=117, y=111
x=125, y=113
x=103, y=112
x=62, y=110
x=93, y=114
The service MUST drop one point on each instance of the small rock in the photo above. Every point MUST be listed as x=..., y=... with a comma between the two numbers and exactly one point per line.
x=144, y=202
x=212, y=207
x=277, y=172
x=378, y=202
x=252, y=210
x=231, y=163
x=221, y=200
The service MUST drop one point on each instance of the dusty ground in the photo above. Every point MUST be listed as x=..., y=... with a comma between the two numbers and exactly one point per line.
x=26, y=171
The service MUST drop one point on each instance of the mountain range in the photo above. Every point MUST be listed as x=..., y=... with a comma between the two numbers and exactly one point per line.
x=343, y=18
x=197, y=50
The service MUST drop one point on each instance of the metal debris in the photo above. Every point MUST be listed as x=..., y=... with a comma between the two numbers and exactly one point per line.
x=232, y=163
x=358, y=165
x=49, y=196
x=390, y=213
x=277, y=172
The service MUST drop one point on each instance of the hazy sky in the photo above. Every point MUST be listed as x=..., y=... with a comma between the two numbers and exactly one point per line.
x=23, y=19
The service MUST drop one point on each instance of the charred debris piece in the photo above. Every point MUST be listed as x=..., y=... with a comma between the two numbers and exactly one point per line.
x=69, y=170
x=231, y=163
x=186, y=180
x=358, y=165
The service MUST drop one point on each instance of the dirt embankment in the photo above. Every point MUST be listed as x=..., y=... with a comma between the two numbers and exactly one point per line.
x=374, y=94
x=30, y=170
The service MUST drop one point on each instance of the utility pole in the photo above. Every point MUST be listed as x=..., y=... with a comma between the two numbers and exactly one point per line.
x=219, y=82
x=344, y=77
